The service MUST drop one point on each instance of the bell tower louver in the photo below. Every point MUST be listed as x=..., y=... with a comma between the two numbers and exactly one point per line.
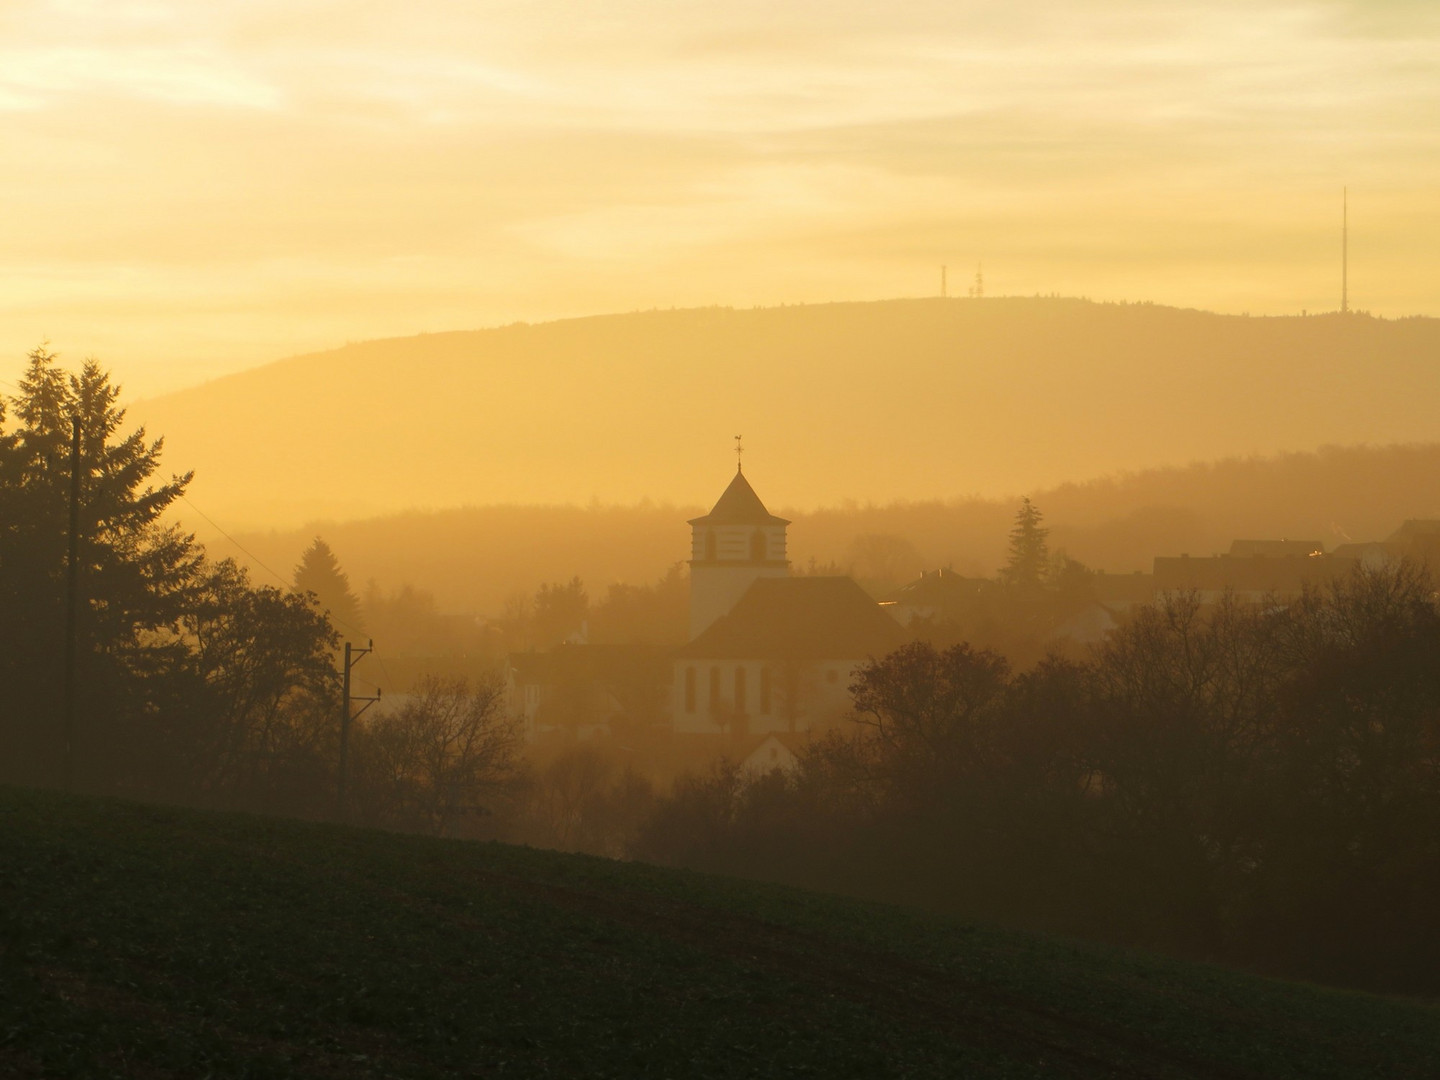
x=731, y=547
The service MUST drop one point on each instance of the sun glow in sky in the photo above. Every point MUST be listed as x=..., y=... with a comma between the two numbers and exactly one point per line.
x=191, y=188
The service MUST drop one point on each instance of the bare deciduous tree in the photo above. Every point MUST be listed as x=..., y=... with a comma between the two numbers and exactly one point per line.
x=440, y=758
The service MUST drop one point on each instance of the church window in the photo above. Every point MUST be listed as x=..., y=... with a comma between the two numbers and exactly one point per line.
x=689, y=689
x=714, y=689
x=757, y=547
x=765, y=691
x=740, y=689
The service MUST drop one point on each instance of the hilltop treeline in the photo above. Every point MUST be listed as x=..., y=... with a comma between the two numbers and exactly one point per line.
x=477, y=559
x=898, y=399
x=1246, y=784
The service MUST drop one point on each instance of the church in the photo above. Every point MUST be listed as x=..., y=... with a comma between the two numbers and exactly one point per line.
x=768, y=651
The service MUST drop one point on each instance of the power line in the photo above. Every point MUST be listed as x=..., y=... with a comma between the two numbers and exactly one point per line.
x=280, y=578
x=255, y=558
x=384, y=671
x=283, y=583
x=243, y=549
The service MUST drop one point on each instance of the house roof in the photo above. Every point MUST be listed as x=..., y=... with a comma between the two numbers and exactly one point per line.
x=739, y=505
x=794, y=741
x=1358, y=550
x=791, y=742
x=1414, y=529
x=939, y=587
x=1275, y=548
x=800, y=618
x=1287, y=575
x=591, y=663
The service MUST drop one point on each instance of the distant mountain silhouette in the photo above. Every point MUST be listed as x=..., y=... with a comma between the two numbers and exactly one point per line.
x=903, y=399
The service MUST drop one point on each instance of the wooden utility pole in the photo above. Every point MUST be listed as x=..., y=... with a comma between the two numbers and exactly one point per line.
x=352, y=657
x=72, y=603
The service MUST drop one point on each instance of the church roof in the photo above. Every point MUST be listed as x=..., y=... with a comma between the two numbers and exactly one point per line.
x=739, y=505
x=939, y=587
x=803, y=618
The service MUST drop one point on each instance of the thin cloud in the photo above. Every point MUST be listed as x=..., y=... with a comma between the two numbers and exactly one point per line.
x=397, y=158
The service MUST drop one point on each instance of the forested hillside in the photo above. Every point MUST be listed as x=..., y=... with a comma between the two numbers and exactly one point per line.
x=875, y=402
x=474, y=558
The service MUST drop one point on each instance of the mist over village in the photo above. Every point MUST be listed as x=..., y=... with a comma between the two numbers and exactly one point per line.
x=719, y=541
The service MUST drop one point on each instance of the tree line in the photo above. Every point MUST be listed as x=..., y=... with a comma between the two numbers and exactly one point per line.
x=1255, y=784
x=132, y=662
x=1252, y=784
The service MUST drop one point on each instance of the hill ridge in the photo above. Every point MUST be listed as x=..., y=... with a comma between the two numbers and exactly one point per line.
x=475, y=558
x=910, y=399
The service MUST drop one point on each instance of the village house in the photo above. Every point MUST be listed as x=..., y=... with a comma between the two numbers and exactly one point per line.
x=768, y=652
x=938, y=596
x=770, y=753
x=772, y=653
x=1252, y=571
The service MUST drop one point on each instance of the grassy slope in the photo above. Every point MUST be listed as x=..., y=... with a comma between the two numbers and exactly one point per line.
x=141, y=941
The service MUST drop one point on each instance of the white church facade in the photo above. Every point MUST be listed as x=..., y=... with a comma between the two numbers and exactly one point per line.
x=768, y=652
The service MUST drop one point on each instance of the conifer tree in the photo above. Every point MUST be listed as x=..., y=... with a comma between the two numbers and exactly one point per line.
x=319, y=574
x=1029, y=552
x=187, y=681
x=134, y=573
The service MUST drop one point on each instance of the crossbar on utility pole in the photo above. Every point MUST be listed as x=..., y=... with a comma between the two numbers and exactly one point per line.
x=352, y=657
x=72, y=603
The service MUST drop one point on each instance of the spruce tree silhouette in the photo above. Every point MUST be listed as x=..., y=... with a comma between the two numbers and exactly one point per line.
x=319, y=574
x=132, y=569
x=1029, y=552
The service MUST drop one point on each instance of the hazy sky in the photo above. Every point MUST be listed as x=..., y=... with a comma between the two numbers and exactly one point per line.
x=190, y=188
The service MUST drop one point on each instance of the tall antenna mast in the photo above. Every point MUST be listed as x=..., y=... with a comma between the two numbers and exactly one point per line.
x=1345, y=250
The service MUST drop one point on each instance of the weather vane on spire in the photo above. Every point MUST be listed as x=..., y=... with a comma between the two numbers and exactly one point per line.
x=739, y=449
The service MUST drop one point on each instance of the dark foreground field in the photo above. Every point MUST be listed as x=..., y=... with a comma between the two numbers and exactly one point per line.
x=141, y=941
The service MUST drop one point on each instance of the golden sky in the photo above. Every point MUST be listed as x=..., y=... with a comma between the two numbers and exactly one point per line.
x=192, y=188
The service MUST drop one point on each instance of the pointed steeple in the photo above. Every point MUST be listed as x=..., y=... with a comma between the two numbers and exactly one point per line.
x=739, y=505
x=731, y=547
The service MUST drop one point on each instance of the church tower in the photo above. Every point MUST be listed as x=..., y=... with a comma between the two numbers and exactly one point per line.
x=730, y=547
